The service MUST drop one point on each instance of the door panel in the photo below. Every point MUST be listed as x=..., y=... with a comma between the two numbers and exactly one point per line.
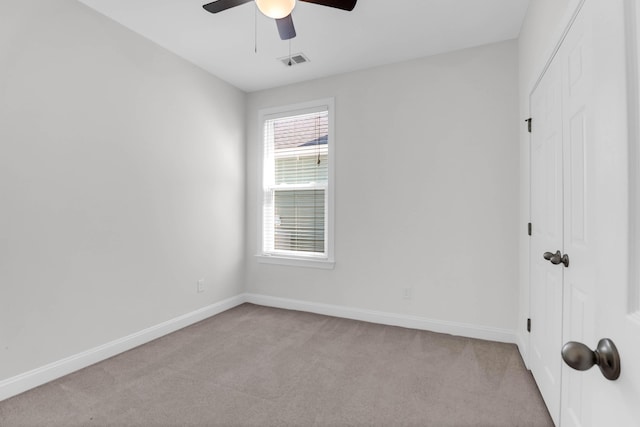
x=617, y=403
x=579, y=216
x=546, y=217
x=574, y=401
x=578, y=180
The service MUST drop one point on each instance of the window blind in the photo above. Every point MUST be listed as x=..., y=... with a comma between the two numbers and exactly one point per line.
x=296, y=184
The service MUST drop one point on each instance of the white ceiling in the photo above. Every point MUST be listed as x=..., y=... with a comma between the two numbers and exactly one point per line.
x=376, y=32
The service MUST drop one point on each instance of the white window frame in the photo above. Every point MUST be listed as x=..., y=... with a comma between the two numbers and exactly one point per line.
x=292, y=258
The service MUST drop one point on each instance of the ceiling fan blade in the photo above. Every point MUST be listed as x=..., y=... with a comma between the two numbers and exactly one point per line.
x=220, y=5
x=338, y=4
x=285, y=28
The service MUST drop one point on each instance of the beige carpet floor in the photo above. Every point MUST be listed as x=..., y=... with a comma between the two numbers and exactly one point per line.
x=259, y=366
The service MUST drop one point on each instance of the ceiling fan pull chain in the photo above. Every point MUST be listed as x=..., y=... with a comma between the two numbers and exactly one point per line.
x=290, y=63
x=255, y=29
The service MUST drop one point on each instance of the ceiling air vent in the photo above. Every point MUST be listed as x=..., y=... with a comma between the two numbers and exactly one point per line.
x=295, y=59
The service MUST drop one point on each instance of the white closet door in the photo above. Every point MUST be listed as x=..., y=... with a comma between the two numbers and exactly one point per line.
x=586, y=106
x=576, y=57
x=547, y=235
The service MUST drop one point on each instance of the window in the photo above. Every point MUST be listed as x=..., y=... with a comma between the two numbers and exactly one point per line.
x=297, y=185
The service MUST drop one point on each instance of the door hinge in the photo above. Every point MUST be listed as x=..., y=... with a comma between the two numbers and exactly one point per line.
x=528, y=325
x=529, y=120
x=529, y=229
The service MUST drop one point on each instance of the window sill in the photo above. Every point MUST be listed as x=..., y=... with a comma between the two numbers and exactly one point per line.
x=296, y=262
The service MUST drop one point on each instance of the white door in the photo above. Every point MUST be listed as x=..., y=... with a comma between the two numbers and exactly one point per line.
x=600, y=295
x=589, y=399
x=580, y=205
x=562, y=215
x=547, y=236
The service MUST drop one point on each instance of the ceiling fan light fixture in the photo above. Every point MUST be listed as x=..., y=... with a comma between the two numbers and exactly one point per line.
x=276, y=9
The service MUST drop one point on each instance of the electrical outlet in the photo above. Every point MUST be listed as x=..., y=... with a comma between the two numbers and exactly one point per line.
x=407, y=293
x=200, y=286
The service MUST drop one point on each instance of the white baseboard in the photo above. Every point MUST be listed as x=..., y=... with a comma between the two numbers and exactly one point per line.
x=42, y=375
x=406, y=321
x=36, y=377
x=523, y=347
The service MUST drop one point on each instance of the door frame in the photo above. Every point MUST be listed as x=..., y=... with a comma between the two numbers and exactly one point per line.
x=633, y=93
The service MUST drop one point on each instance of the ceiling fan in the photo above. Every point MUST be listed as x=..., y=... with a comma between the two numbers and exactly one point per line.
x=280, y=10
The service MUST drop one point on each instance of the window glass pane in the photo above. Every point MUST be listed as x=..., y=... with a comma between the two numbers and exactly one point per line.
x=303, y=168
x=299, y=220
x=301, y=148
x=307, y=130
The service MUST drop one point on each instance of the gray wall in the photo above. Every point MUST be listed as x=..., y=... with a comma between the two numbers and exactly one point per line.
x=426, y=189
x=121, y=183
